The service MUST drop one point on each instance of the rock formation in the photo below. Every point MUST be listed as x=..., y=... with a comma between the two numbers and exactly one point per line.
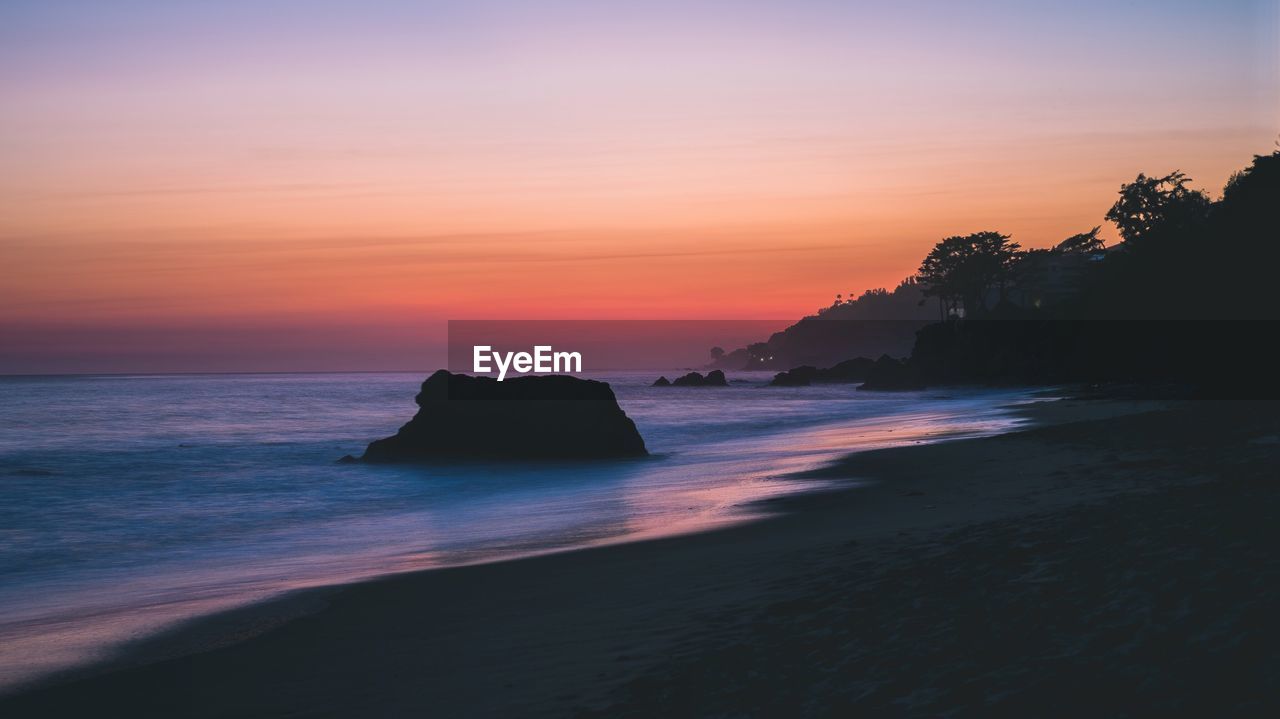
x=714, y=378
x=542, y=417
x=891, y=375
x=854, y=370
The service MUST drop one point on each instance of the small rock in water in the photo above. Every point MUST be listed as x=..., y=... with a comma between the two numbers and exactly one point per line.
x=714, y=378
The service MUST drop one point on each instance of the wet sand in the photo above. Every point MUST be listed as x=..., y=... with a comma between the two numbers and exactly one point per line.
x=1120, y=559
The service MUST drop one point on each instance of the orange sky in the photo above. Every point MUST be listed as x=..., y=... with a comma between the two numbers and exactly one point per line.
x=292, y=172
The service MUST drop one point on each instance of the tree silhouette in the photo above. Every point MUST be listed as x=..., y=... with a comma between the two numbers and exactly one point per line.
x=1255, y=186
x=1149, y=204
x=1084, y=243
x=962, y=270
x=1243, y=240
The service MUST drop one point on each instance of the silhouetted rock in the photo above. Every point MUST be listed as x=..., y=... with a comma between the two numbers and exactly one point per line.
x=854, y=370
x=714, y=378
x=795, y=377
x=547, y=417
x=662, y=382
x=891, y=375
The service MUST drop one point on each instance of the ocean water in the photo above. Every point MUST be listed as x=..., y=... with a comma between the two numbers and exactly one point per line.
x=130, y=503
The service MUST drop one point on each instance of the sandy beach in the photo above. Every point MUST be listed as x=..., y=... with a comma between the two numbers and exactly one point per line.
x=1117, y=557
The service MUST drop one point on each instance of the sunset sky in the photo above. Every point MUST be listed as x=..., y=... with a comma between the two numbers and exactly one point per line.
x=313, y=184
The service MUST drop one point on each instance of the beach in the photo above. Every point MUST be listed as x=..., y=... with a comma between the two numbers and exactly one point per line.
x=163, y=499
x=1117, y=556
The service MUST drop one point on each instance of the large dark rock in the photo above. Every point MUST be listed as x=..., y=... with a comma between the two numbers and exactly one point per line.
x=662, y=382
x=854, y=370
x=891, y=375
x=795, y=377
x=547, y=417
x=714, y=378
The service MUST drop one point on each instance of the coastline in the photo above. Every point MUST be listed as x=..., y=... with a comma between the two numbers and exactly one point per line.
x=620, y=628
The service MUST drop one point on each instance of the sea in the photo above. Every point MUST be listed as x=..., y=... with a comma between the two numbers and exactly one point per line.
x=131, y=504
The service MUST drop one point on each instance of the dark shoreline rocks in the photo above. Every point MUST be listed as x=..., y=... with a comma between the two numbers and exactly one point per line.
x=853, y=370
x=801, y=376
x=883, y=375
x=714, y=378
x=891, y=375
x=543, y=417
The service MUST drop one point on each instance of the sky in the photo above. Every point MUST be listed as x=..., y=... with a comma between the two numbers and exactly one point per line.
x=320, y=185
